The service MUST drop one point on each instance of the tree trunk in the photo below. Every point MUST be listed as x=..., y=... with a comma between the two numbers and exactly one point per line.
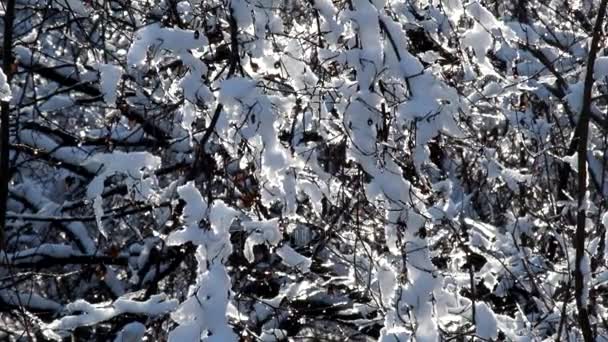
x=7, y=62
x=583, y=132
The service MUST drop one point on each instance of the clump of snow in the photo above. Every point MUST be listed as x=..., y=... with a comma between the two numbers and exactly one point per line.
x=241, y=11
x=195, y=208
x=365, y=17
x=132, y=332
x=30, y=300
x=132, y=164
x=176, y=40
x=90, y=314
x=204, y=312
x=5, y=89
x=486, y=326
x=524, y=32
x=329, y=25
x=479, y=40
x=98, y=210
x=273, y=335
x=486, y=29
x=600, y=68
x=261, y=232
x=79, y=7
x=294, y=259
x=575, y=96
x=221, y=216
x=454, y=9
x=48, y=249
x=387, y=279
x=56, y=102
x=110, y=76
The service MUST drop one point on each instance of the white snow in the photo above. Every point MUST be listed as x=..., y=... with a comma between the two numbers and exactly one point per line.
x=479, y=40
x=387, y=279
x=28, y=300
x=132, y=164
x=195, y=208
x=98, y=210
x=367, y=80
x=71, y=155
x=221, y=216
x=486, y=325
x=176, y=40
x=5, y=89
x=574, y=97
x=38, y=253
x=194, y=211
x=328, y=12
x=600, y=68
x=294, y=259
x=94, y=313
x=273, y=335
x=110, y=75
x=204, y=312
x=261, y=232
x=132, y=332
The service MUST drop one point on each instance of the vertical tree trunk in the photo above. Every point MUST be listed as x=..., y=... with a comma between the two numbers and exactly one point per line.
x=7, y=61
x=583, y=133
